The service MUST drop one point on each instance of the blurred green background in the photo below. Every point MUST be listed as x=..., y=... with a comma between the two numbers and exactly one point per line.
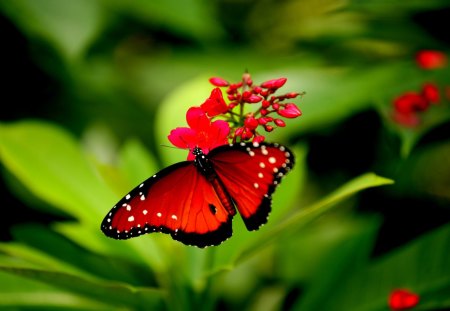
x=92, y=88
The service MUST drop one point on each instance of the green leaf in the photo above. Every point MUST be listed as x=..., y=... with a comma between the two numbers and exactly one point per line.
x=51, y=164
x=113, y=293
x=68, y=26
x=421, y=266
x=18, y=293
x=84, y=262
x=190, y=18
x=136, y=163
x=308, y=214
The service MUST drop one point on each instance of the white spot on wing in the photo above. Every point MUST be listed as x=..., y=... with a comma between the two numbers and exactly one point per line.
x=262, y=165
x=251, y=153
x=144, y=212
x=128, y=196
x=174, y=217
x=255, y=144
x=260, y=175
x=142, y=197
x=158, y=214
x=272, y=160
x=131, y=218
x=256, y=185
x=128, y=207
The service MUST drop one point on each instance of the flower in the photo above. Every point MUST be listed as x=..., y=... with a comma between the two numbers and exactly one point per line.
x=237, y=123
x=201, y=132
x=431, y=93
x=402, y=299
x=215, y=104
x=431, y=59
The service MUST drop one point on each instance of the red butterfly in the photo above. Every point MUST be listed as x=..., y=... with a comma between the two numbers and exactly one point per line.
x=194, y=201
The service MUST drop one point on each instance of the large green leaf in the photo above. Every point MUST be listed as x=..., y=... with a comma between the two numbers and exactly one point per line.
x=191, y=18
x=113, y=293
x=304, y=216
x=421, y=266
x=51, y=164
x=67, y=26
x=18, y=293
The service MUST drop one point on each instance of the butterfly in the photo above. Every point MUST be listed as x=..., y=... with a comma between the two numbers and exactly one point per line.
x=195, y=201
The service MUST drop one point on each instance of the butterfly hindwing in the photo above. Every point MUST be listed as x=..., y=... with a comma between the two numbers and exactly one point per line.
x=250, y=173
x=178, y=200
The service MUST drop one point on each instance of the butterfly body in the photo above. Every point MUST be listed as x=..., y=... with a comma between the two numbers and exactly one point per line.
x=195, y=201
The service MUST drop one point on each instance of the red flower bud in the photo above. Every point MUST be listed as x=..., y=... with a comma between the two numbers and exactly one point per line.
x=280, y=123
x=257, y=89
x=264, y=112
x=253, y=99
x=274, y=84
x=258, y=139
x=251, y=123
x=238, y=131
x=430, y=92
x=402, y=299
x=276, y=106
x=268, y=128
x=246, y=134
x=218, y=81
x=265, y=104
x=290, y=111
x=291, y=95
x=431, y=59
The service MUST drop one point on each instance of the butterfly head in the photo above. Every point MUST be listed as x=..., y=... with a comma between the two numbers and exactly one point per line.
x=197, y=152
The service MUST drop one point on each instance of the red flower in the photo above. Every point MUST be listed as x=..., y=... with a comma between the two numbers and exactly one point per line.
x=402, y=299
x=215, y=104
x=289, y=111
x=430, y=92
x=431, y=59
x=410, y=102
x=201, y=132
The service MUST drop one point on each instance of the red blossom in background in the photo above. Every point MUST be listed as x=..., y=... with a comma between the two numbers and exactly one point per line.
x=409, y=106
x=235, y=124
x=201, y=132
x=402, y=299
x=431, y=59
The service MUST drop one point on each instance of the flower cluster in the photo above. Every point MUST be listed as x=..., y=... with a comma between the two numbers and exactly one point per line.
x=408, y=107
x=402, y=299
x=218, y=121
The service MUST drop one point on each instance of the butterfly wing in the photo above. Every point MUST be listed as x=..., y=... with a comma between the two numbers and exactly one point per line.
x=250, y=173
x=179, y=201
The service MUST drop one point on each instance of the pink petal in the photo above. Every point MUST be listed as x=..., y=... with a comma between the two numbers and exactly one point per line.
x=197, y=119
x=182, y=137
x=215, y=104
x=217, y=134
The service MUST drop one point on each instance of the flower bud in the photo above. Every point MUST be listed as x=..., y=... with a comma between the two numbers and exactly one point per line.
x=216, y=81
x=289, y=111
x=251, y=123
x=274, y=84
x=280, y=123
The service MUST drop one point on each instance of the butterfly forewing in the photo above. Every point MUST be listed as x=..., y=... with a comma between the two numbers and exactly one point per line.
x=250, y=174
x=178, y=200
